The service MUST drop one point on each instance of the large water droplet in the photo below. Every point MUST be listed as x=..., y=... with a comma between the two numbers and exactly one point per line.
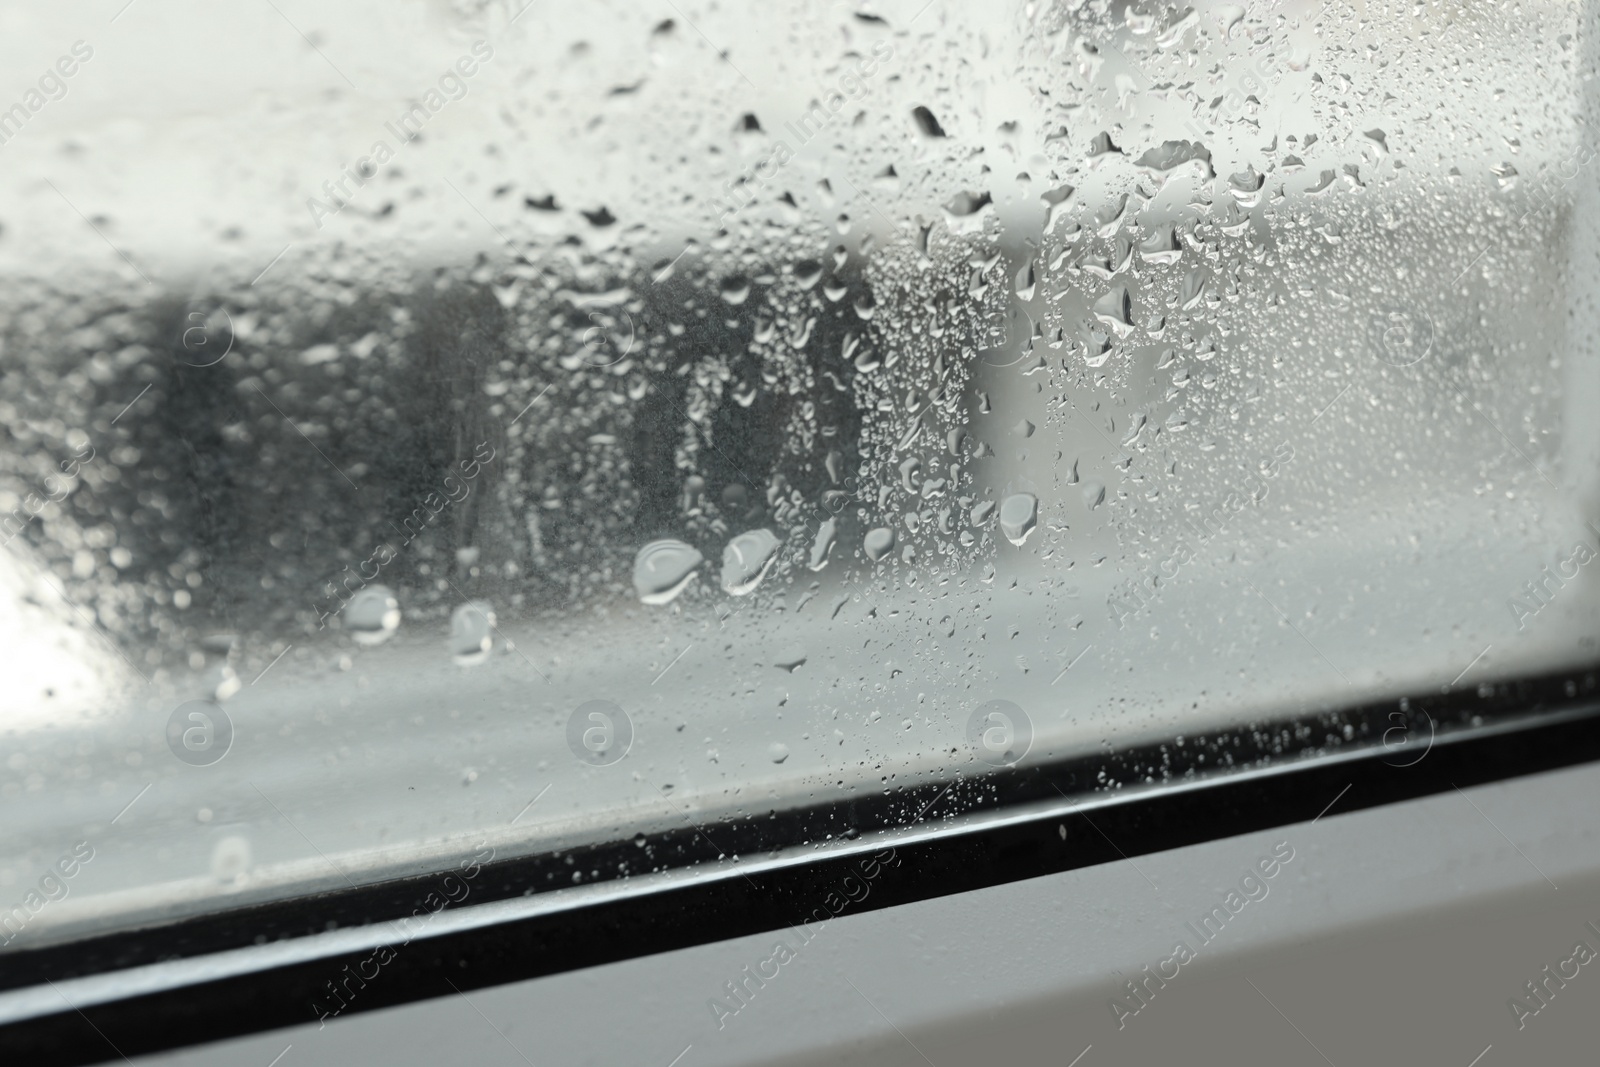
x=230, y=858
x=663, y=568
x=878, y=543
x=907, y=469
x=964, y=213
x=1376, y=146
x=747, y=559
x=1109, y=218
x=372, y=615
x=1161, y=246
x=790, y=658
x=1115, y=309
x=1172, y=154
x=222, y=681
x=472, y=632
x=823, y=544
x=1019, y=514
x=1100, y=147
x=1027, y=282
x=1055, y=203
x=1246, y=186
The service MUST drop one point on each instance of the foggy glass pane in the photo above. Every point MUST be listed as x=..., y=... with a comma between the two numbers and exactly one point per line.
x=429, y=424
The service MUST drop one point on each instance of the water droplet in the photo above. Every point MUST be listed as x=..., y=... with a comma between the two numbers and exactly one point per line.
x=907, y=469
x=1246, y=186
x=230, y=858
x=373, y=615
x=982, y=511
x=801, y=335
x=790, y=658
x=1191, y=289
x=878, y=543
x=221, y=642
x=1100, y=146
x=222, y=682
x=965, y=212
x=1172, y=154
x=1096, y=347
x=777, y=752
x=747, y=559
x=1161, y=246
x=662, y=570
x=823, y=545
x=1109, y=218
x=1055, y=203
x=472, y=632
x=1027, y=282
x=1019, y=514
x=1094, y=493
x=1115, y=309
x=736, y=290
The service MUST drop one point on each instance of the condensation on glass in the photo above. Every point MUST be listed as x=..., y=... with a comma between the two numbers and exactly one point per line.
x=433, y=428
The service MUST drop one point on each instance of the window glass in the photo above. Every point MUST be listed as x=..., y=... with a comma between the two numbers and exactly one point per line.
x=429, y=426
